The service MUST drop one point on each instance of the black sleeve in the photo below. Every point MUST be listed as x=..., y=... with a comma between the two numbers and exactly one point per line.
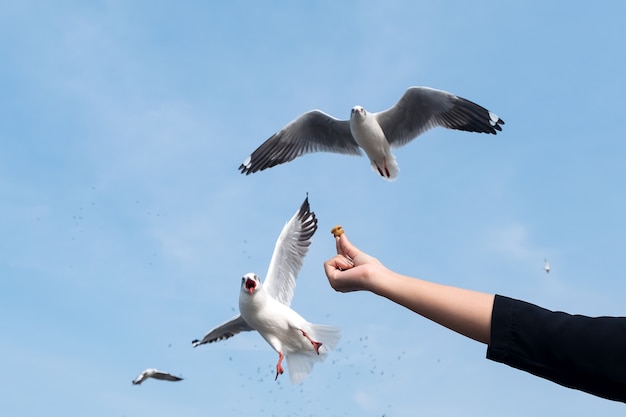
x=585, y=353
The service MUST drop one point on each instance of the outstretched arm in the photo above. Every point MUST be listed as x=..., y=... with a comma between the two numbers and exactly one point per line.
x=464, y=311
x=586, y=353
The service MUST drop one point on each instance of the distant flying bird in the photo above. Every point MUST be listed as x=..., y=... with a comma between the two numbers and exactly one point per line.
x=419, y=109
x=546, y=266
x=156, y=374
x=264, y=307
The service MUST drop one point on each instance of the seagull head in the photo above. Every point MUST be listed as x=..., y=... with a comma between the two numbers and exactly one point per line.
x=358, y=111
x=250, y=283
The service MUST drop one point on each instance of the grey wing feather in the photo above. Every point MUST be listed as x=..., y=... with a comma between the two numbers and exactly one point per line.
x=422, y=108
x=313, y=131
x=165, y=376
x=289, y=252
x=224, y=331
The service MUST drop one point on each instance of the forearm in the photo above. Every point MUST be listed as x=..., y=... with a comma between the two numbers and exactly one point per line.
x=464, y=311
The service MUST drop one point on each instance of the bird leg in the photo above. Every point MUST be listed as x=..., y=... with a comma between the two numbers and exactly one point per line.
x=279, y=367
x=380, y=171
x=316, y=345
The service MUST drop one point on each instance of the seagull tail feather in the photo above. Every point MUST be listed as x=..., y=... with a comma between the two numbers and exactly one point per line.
x=328, y=335
x=301, y=363
x=387, y=168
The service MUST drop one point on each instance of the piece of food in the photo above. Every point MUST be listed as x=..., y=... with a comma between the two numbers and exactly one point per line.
x=337, y=231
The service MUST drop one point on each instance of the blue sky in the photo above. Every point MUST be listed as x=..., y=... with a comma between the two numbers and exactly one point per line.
x=126, y=226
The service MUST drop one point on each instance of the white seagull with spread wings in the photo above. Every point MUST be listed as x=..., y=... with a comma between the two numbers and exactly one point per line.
x=156, y=374
x=264, y=307
x=419, y=109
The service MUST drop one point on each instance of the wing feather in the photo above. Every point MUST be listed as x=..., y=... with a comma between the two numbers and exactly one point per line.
x=224, y=331
x=314, y=131
x=165, y=376
x=422, y=108
x=289, y=252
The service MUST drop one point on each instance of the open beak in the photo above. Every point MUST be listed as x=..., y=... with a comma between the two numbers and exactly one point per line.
x=250, y=285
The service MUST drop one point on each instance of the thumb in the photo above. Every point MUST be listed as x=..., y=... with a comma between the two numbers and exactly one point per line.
x=344, y=247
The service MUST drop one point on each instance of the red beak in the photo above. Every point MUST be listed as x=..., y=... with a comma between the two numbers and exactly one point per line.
x=250, y=285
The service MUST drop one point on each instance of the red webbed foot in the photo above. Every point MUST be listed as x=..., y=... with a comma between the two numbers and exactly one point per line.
x=316, y=345
x=279, y=367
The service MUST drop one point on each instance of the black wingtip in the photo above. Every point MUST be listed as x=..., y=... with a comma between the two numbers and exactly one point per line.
x=498, y=126
x=305, y=207
x=307, y=218
x=245, y=170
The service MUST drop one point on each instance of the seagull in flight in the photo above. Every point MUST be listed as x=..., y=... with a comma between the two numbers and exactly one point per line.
x=265, y=306
x=418, y=110
x=156, y=374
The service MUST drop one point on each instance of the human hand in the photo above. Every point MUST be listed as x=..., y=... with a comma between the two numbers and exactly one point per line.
x=351, y=269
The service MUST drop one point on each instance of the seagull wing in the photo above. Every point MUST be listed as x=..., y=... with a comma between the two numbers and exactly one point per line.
x=291, y=247
x=165, y=376
x=422, y=108
x=224, y=331
x=141, y=377
x=313, y=131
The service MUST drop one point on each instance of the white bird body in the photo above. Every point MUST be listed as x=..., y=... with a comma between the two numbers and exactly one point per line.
x=266, y=307
x=276, y=322
x=368, y=134
x=418, y=110
x=287, y=332
x=156, y=374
